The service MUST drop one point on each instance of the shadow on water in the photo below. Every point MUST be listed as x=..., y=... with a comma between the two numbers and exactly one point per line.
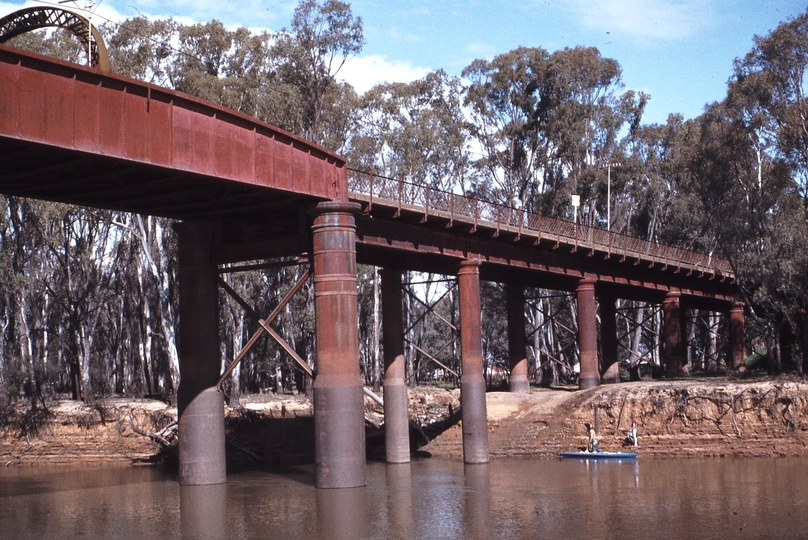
x=255, y=442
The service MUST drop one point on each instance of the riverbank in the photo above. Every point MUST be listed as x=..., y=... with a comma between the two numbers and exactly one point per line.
x=694, y=417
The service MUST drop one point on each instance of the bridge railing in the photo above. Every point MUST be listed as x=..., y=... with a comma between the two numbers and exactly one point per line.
x=400, y=195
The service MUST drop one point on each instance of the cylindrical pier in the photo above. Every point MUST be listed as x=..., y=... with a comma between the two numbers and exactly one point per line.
x=517, y=347
x=472, y=382
x=396, y=419
x=587, y=334
x=200, y=405
x=608, y=340
x=339, y=421
x=673, y=351
x=737, y=335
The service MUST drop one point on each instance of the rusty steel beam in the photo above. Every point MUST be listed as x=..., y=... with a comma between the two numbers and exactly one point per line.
x=51, y=103
x=299, y=261
x=517, y=346
x=610, y=368
x=339, y=419
x=737, y=335
x=472, y=381
x=396, y=418
x=432, y=250
x=587, y=334
x=200, y=404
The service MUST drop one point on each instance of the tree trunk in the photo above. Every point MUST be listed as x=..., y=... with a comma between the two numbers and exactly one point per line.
x=377, y=375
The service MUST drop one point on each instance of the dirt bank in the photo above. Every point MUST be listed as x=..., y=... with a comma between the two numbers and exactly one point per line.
x=704, y=417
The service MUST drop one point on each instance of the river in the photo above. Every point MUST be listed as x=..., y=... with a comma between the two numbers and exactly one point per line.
x=430, y=499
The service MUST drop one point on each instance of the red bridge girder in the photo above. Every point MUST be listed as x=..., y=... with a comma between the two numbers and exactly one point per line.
x=76, y=135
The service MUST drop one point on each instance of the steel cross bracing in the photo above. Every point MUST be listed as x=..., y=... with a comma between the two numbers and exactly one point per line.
x=539, y=319
x=414, y=341
x=34, y=18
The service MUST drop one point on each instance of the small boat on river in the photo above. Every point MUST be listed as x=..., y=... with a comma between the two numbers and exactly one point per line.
x=598, y=455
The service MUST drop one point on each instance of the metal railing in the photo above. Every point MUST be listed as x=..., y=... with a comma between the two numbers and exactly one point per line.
x=377, y=190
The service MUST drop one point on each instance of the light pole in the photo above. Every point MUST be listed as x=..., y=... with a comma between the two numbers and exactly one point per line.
x=576, y=202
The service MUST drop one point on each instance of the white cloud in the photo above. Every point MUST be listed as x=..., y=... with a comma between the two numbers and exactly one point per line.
x=646, y=21
x=408, y=37
x=479, y=49
x=363, y=72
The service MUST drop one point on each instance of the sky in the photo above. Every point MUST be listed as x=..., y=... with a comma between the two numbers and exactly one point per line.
x=680, y=52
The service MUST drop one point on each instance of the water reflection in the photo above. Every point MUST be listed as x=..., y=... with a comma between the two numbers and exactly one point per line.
x=430, y=499
x=203, y=512
x=342, y=513
x=399, y=500
x=478, y=501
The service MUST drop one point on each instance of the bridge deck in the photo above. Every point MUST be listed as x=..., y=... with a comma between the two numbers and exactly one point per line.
x=75, y=135
x=72, y=134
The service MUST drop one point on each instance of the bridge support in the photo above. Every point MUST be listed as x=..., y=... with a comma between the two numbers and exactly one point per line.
x=517, y=348
x=200, y=404
x=587, y=334
x=396, y=420
x=608, y=340
x=472, y=382
x=673, y=351
x=737, y=335
x=339, y=421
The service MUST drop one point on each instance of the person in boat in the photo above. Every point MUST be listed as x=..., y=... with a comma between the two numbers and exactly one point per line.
x=632, y=434
x=593, y=440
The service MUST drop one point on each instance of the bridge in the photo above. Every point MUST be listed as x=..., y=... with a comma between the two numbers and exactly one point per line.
x=242, y=191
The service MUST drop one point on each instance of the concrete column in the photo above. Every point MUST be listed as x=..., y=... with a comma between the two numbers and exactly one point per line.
x=587, y=334
x=200, y=405
x=396, y=419
x=339, y=420
x=608, y=340
x=737, y=335
x=472, y=382
x=517, y=348
x=673, y=352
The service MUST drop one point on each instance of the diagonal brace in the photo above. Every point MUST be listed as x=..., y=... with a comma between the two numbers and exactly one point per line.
x=441, y=364
x=430, y=308
x=263, y=326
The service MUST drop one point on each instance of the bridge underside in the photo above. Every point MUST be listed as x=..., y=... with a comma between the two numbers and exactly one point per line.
x=45, y=172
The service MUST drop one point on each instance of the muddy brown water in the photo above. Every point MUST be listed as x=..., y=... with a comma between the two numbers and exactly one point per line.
x=430, y=499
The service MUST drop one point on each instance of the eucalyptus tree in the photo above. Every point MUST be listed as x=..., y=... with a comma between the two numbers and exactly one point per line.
x=546, y=121
x=322, y=37
x=142, y=48
x=768, y=89
x=414, y=131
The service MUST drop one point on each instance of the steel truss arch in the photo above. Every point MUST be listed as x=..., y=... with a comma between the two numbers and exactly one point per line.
x=29, y=19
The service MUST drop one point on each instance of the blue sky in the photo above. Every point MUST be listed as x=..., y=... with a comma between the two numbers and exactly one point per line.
x=678, y=51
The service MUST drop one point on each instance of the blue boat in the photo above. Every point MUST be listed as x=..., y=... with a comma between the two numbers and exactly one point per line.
x=598, y=455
